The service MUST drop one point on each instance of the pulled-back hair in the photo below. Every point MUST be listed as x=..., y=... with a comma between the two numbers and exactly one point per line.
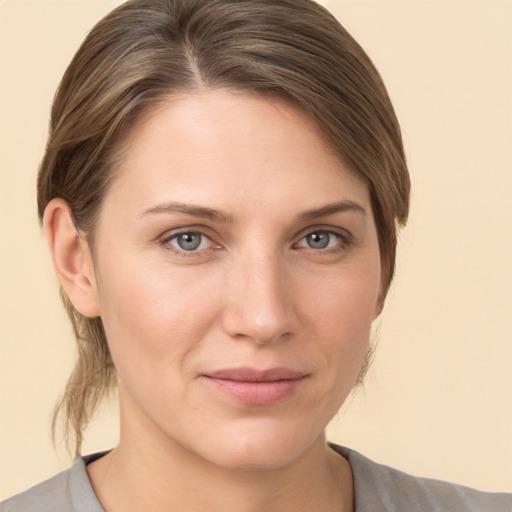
x=146, y=50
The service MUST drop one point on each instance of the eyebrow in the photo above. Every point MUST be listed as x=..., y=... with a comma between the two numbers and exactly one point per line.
x=189, y=209
x=331, y=209
x=225, y=218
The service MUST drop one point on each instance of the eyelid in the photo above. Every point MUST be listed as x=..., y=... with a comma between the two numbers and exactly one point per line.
x=342, y=232
x=193, y=228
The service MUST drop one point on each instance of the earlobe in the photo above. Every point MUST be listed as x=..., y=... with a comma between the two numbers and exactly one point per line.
x=71, y=257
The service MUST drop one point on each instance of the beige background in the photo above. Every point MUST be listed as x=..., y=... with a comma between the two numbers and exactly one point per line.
x=438, y=400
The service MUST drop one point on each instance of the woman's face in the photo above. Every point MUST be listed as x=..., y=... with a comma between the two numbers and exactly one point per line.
x=238, y=273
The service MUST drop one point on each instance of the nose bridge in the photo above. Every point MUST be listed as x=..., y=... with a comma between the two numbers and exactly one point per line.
x=259, y=296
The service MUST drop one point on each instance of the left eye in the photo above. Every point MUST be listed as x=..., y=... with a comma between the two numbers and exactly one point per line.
x=321, y=240
x=189, y=241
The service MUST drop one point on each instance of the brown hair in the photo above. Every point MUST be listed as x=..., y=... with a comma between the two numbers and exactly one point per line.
x=146, y=50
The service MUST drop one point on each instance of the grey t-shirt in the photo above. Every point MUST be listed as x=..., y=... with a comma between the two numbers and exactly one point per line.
x=378, y=488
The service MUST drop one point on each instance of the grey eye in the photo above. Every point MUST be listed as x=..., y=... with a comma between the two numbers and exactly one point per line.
x=318, y=239
x=188, y=241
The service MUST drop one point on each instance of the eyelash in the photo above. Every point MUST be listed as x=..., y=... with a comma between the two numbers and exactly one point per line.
x=345, y=241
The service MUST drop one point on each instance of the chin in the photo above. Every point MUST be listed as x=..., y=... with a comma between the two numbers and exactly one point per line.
x=258, y=449
x=254, y=459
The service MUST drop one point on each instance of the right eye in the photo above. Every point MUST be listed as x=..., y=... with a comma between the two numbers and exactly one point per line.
x=188, y=241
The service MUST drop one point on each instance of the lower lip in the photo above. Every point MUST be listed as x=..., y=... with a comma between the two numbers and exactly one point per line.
x=256, y=393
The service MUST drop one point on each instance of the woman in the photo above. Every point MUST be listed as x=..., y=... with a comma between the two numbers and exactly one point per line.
x=220, y=193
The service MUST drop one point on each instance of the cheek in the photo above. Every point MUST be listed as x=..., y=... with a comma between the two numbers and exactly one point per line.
x=152, y=316
x=346, y=301
x=341, y=310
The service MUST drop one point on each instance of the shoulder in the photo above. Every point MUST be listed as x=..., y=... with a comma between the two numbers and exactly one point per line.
x=379, y=487
x=68, y=491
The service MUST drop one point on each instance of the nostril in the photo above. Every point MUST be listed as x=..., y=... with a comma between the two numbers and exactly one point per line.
x=260, y=330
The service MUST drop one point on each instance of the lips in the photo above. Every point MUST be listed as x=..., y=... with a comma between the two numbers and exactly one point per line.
x=251, y=386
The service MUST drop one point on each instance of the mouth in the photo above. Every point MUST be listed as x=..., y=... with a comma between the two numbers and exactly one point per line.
x=250, y=386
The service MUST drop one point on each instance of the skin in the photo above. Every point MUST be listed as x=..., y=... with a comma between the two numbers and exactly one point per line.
x=255, y=293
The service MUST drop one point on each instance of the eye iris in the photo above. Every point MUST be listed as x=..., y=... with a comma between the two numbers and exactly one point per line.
x=318, y=240
x=189, y=241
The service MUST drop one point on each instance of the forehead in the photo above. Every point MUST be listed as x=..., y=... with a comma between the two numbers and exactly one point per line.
x=220, y=145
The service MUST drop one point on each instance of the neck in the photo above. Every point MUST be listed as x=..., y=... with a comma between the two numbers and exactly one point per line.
x=147, y=471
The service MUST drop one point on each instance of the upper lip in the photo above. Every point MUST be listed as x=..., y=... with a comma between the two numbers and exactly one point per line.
x=247, y=374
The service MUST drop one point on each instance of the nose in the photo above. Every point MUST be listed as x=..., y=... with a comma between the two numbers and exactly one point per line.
x=258, y=303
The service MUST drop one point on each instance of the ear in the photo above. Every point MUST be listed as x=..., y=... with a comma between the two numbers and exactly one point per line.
x=71, y=257
x=382, y=292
